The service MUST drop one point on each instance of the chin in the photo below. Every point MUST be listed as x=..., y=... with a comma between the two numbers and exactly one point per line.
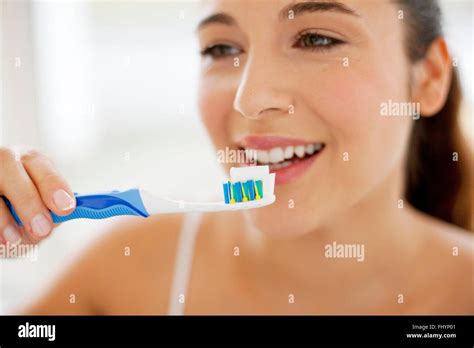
x=279, y=222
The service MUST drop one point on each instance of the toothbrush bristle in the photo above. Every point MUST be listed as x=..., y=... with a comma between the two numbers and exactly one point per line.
x=238, y=192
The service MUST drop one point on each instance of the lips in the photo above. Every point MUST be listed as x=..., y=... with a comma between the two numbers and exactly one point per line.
x=288, y=158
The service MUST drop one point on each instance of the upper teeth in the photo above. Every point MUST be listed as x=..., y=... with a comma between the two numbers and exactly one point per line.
x=278, y=154
x=299, y=151
x=289, y=151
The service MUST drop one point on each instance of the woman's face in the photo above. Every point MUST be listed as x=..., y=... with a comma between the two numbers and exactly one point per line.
x=287, y=78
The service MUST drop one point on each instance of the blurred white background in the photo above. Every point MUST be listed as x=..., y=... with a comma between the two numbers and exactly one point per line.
x=108, y=89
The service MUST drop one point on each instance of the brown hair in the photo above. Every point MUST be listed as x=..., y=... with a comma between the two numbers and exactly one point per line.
x=436, y=183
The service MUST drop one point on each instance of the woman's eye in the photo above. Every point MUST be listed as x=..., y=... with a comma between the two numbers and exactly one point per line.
x=220, y=51
x=315, y=41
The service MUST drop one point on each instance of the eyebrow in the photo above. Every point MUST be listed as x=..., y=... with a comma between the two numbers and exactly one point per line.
x=220, y=18
x=301, y=8
x=297, y=9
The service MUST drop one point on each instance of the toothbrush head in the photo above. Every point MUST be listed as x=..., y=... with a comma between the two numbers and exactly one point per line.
x=253, y=185
x=239, y=192
x=248, y=188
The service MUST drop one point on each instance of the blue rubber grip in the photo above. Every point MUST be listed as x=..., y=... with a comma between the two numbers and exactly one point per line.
x=98, y=206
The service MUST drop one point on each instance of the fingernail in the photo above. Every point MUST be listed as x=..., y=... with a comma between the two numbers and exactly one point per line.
x=63, y=200
x=40, y=225
x=11, y=235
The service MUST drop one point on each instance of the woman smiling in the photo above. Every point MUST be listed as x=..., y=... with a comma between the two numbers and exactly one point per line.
x=372, y=213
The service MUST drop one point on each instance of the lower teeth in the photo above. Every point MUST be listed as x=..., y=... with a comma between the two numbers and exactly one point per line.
x=282, y=165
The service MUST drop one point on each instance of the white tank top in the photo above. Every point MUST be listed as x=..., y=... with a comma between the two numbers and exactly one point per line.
x=183, y=263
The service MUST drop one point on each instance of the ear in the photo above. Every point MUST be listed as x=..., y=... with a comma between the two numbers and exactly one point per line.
x=432, y=78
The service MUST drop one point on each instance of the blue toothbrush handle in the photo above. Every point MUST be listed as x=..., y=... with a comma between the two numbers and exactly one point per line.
x=98, y=206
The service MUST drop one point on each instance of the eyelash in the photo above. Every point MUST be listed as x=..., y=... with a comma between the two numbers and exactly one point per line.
x=329, y=42
x=208, y=51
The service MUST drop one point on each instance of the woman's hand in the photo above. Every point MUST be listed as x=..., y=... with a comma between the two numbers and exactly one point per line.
x=33, y=186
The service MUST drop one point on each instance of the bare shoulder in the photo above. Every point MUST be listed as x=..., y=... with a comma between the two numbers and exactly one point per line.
x=449, y=261
x=126, y=271
x=139, y=260
x=460, y=243
x=142, y=241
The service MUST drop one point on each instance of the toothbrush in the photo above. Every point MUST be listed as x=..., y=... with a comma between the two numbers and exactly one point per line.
x=248, y=187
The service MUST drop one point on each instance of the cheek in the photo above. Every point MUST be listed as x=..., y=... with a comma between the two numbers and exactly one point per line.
x=363, y=146
x=348, y=101
x=215, y=102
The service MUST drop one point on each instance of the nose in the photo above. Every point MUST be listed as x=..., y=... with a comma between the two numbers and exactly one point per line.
x=262, y=90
